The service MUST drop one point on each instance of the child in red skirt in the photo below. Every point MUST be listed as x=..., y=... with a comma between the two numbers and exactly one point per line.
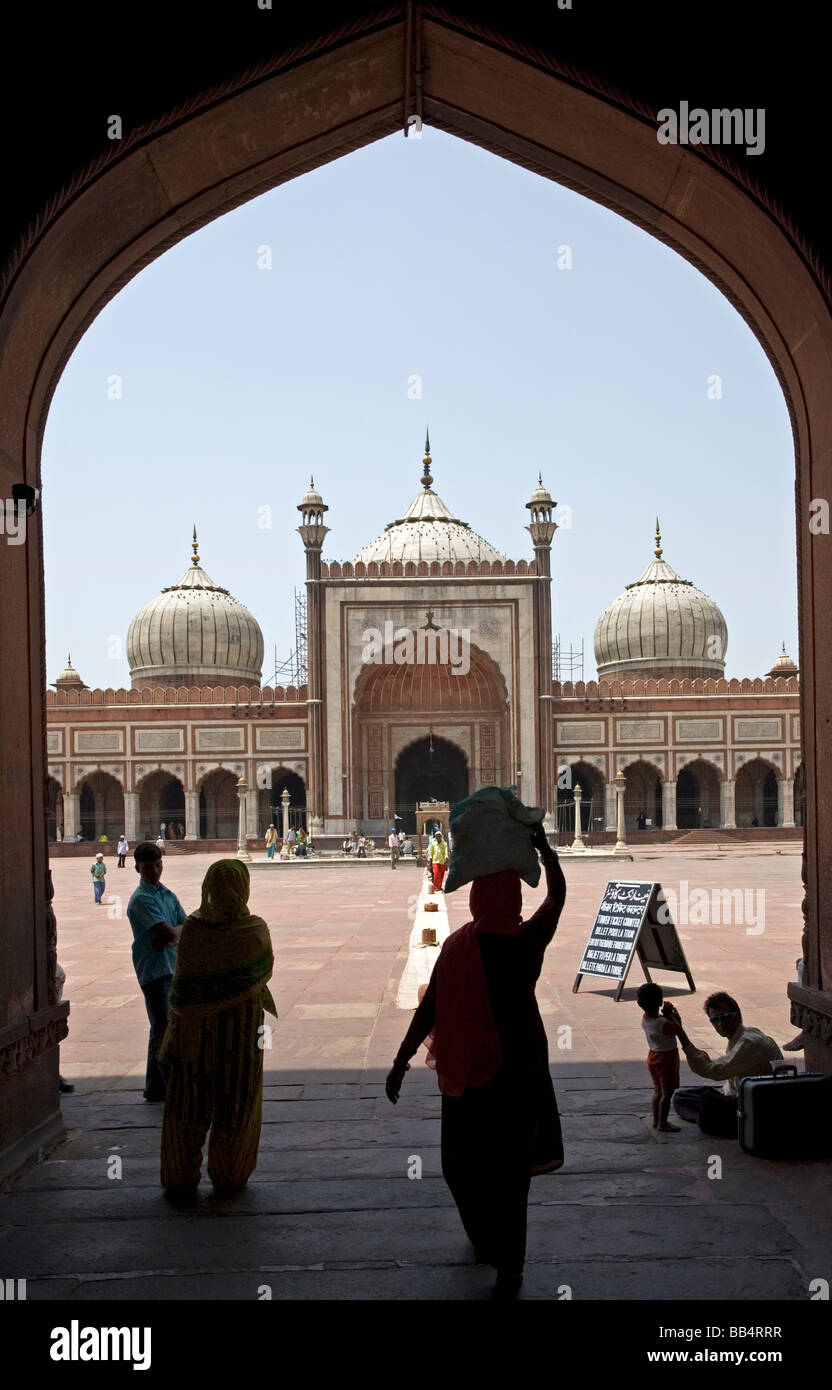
x=663, y=1056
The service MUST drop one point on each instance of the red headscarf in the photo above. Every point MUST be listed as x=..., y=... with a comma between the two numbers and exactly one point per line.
x=464, y=1047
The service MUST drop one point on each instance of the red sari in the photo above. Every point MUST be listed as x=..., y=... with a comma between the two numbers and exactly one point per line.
x=489, y=1048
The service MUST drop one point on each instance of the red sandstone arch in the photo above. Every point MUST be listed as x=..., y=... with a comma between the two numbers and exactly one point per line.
x=292, y=116
x=431, y=687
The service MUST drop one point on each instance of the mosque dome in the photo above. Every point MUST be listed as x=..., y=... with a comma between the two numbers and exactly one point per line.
x=661, y=626
x=783, y=666
x=427, y=530
x=69, y=678
x=194, y=633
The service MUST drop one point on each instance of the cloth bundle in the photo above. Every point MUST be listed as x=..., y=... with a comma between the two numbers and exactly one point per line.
x=490, y=832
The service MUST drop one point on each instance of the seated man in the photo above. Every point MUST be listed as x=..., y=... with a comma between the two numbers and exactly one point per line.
x=750, y=1052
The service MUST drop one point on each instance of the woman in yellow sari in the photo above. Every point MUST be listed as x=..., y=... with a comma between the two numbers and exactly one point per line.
x=213, y=1046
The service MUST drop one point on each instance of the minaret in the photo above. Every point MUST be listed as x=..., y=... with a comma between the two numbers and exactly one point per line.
x=312, y=532
x=541, y=529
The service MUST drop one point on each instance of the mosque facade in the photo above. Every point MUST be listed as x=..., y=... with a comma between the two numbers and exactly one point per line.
x=429, y=674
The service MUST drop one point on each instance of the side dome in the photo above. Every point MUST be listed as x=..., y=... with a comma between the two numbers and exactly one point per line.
x=661, y=626
x=427, y=530
x=194, y=633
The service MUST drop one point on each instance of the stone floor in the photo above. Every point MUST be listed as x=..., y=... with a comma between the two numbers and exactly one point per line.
x=331, y=1212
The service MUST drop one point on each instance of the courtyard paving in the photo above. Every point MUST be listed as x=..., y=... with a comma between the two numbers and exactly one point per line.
x=331, y=1212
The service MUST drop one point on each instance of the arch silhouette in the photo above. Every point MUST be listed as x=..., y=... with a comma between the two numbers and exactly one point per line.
x=260, y=128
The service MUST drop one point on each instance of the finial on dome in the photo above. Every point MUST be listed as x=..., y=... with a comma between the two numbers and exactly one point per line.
x=658, y=551
x=426, y=462
x=195, y=549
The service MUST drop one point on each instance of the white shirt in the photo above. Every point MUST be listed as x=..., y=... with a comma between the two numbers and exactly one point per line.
x=750, y=1052
x=659, y=1040
x=393, y=841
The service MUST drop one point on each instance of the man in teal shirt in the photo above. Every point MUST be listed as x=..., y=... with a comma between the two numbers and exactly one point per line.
x=155, y=914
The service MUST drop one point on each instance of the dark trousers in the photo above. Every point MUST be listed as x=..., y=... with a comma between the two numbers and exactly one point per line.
x=121, y=860
x=709, y=1107
x=156, y=997
x=488, y=1138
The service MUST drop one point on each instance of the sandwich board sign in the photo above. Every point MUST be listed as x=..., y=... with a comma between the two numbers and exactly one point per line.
x=633, y=919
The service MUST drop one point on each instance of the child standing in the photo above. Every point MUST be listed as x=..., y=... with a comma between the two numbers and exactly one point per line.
x=663, y=1054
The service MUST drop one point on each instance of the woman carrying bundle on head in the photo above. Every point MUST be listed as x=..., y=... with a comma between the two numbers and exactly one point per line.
x=214, y=1044
x=487, y=1042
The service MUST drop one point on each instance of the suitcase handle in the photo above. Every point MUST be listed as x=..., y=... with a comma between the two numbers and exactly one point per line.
x=783, y=1069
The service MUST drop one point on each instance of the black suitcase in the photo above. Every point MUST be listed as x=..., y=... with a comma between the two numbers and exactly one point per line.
x=786, y=1115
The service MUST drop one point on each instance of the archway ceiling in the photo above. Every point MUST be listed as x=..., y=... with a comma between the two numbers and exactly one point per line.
x=431, y=688
x=604, y=47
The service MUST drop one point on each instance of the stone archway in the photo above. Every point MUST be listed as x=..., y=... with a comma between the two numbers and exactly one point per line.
x=643, y=808
x=161, y=800
x=756, y=799
x=429, y=769
x=54, y=810
x=697, y=796
x=101, y=806
x=591, y=783
x=216, y=150
x=219, y=812
x=270, y=799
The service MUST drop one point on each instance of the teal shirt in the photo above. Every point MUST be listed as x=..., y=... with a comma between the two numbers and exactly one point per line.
x=149, y=904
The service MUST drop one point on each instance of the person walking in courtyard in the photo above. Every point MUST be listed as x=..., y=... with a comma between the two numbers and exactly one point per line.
x=662, y=1055
x=214, y=1041
x=438, y=859
x=393, y=843
x=155, y=915
x=122, y=850
x=99, y=873
x=489, y=1048
x=271, y=841
x=750, y=1052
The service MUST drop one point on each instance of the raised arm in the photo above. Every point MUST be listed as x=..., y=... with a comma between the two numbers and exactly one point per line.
x=546, y=918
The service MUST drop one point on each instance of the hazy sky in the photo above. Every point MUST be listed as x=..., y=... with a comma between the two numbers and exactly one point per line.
x=428, y=258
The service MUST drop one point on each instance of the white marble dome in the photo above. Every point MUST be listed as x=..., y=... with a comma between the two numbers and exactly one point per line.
x=427, y=530
x=661, y=626
x=195, y=633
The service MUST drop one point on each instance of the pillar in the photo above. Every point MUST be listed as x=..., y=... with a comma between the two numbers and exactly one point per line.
x=100, y=824
x=242, y=848
x=727, y=805
x=131, y=816
x=669, y=804
x=72, y=815
x=192, y=815
x=253, y=829
x=785, y=802
x=542, y=529
x=312, y=533
x=609, y=806
x=620, y=829
x=577, y=842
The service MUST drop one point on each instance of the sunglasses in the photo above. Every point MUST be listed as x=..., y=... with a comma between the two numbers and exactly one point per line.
x=716, y=1019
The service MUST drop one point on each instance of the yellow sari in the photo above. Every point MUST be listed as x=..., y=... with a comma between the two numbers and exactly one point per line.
x=213, y=1045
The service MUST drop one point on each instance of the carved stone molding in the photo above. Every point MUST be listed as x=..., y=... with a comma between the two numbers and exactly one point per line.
x=25, y=1039
x=811, y=1011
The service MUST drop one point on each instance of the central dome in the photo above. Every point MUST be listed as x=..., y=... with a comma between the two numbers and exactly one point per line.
x=427, y=530
x=194, y=632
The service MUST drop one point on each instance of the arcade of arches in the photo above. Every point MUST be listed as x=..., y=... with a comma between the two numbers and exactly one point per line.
x=698, y=799
x=115, y=216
